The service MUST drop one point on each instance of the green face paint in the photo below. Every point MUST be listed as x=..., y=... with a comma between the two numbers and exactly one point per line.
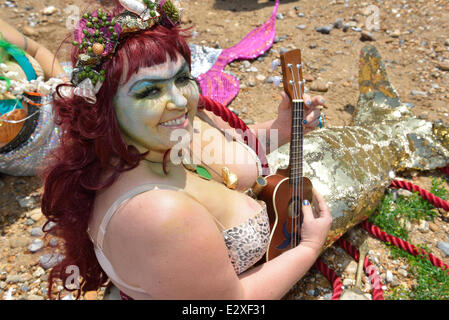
x=155, y=103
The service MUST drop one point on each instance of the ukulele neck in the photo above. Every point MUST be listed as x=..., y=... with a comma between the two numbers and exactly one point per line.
x=296, y=144
x=294, y=88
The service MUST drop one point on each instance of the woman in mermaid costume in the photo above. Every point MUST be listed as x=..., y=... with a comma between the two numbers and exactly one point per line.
x=384, y=132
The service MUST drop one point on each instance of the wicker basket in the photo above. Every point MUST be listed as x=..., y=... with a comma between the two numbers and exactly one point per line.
x=8, y=131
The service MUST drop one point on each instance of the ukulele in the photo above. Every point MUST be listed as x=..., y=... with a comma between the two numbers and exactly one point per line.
x=285, y=190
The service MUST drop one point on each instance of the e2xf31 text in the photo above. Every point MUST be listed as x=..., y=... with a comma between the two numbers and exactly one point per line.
x=249, y=309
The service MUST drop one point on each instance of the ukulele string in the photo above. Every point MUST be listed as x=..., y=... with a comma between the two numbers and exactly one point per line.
x=300, y=187
x=295, y=182
x=299, y=119
x=298, y=170
x=292, y=175
x=301, y=115
x=301, y=130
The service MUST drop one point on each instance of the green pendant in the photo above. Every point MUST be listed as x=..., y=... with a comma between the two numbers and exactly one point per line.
x=203, y=173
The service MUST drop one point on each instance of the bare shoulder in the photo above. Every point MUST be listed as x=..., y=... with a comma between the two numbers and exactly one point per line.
x=208, y=119
x=216, y=120
x=161, y=239
x=156, y=209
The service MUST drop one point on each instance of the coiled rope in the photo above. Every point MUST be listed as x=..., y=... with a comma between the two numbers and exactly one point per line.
x=383, y=236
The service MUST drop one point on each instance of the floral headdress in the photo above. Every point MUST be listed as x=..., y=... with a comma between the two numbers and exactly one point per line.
x=99, y=33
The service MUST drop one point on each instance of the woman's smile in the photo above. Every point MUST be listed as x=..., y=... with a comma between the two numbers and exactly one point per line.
x=180, y=122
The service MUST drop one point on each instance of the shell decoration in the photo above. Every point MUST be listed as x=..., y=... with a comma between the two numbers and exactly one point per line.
x=230, y=179
x=144, y=9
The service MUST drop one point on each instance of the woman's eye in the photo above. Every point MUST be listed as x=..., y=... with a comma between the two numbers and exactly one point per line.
x=184, y=79
x=150, y=92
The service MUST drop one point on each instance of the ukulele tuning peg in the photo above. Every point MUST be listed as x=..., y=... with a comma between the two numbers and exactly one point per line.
x=275, y=64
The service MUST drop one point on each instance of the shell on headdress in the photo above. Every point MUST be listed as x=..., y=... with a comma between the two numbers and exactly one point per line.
x=8, y=130
x=86, y=90
x=98, y=48
x=138, y=7
x=129, y=22
x=88, y=59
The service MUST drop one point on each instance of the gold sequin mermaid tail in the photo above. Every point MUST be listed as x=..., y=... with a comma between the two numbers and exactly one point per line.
x=351, y=166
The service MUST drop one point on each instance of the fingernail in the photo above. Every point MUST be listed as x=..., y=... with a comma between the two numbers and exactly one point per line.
x=309, y=102
x=322, y=101
x=306, y=202
x=305, y=121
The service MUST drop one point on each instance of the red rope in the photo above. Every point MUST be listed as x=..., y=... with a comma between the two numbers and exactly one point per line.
x=445, y=170
x=330, y=275
x=433, y=199
x=404, y=245
x=376, y=283
x=381, y=235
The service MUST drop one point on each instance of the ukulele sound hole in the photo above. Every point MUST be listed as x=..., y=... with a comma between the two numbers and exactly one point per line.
x=294, y=208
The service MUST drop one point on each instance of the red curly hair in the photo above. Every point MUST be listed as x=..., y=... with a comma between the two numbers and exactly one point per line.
x=92, y=148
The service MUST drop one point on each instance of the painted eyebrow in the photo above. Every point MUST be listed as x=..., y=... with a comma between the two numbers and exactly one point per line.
x=156, y=79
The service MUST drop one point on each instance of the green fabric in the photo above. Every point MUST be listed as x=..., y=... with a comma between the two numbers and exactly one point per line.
x=6, y=50
x=8, y=82
x=19, y=56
